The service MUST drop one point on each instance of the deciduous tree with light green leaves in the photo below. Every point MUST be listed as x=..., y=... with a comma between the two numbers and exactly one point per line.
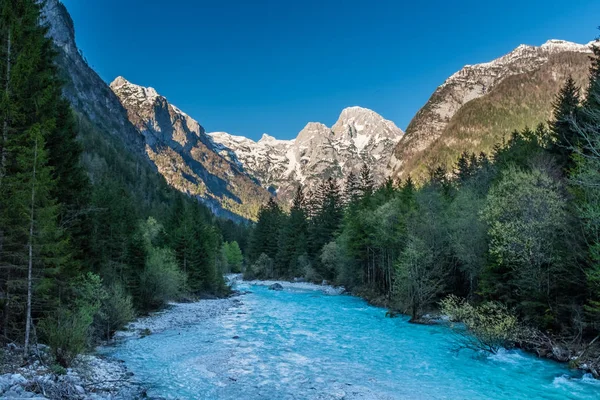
x=528, y=222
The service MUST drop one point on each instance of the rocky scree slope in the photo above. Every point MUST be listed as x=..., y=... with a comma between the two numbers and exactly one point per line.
x=481, y=104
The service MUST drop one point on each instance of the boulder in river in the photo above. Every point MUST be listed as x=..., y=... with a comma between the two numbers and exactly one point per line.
x=276, y=286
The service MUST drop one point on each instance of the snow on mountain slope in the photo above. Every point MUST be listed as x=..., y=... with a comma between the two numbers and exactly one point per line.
x=185, y=155
x=470, y=83
x=359, y=136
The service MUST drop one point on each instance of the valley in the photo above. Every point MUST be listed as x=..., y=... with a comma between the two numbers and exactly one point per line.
x=154, y=245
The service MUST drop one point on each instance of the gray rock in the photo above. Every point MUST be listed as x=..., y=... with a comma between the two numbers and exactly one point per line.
x=276, y=286
x=18, y=379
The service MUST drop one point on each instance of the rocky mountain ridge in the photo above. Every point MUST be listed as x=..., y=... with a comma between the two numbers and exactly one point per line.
x=473, y=109
x=183, y=153
x=472, y=83
x=318, y=152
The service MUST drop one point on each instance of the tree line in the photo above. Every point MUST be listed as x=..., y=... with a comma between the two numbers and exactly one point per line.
x=86, y=241
x=519, y=227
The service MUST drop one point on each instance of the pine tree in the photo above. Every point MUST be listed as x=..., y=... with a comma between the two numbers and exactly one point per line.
x=265, y=238
x=327, y=221
x=33, y=248
x=463, y=168
x=294, y=234
x=592, y=100
x=367, y=183
x=564, y=115
x=352, y=190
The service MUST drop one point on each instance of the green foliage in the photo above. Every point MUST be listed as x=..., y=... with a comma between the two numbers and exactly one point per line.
x=68, y=329
x=265, y=237
x=418, y=279
x=261, y=269
x=528, y=225
x=161, y=280
x=468, y=235
x=332, y=259
x=233, y=256
x=67, y=333
x=566, y=107
x=115, y=312
x=490, y=326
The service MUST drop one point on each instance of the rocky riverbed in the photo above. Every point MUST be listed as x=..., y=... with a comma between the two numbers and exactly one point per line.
x=94, y=376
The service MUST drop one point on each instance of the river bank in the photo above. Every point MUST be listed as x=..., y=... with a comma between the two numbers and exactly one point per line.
x=97, y=377
x=302, y=342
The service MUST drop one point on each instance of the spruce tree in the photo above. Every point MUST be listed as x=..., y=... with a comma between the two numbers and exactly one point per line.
x=294, y=234
x=33, y=249
x=463, y=170
x=352, y=189
x=367, y=183
x=327, y=221
x=592, y=100
x=265, y=238
x=564, y=115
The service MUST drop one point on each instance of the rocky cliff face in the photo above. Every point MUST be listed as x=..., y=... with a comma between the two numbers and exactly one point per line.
x=359, y=136
x=151, y=129
x=505, y=76
x=185, y=155
x=86, y=91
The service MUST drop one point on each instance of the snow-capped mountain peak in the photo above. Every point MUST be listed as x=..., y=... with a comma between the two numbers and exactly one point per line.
x=470, y=83
x=136, y=92
x=359, y=136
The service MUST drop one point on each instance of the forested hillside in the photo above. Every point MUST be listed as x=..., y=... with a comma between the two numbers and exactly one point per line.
x=90, y=234
x=511, y=235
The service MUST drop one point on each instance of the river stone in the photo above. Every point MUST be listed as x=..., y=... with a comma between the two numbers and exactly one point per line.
x=276, y=286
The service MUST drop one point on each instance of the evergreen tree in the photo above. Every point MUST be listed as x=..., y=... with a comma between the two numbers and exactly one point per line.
x=592, y=100
x=352, y=190
x=294, y=234
x=32, y=247
x=463, y=168
x=565, y=138
x=367, y=183
x=265, y=238
x=327, y=221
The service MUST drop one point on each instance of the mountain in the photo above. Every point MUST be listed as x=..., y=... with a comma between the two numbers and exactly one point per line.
x=139, y=133
x=185, y=155
x=359, y=136
x=133, y=131
x=89, y=95
x=482, y=104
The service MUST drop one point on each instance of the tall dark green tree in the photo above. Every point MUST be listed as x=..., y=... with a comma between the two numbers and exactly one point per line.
x=367, y=183
x=326, y=223
x=565, y=137
x=294, y=235
x=265, y=238
x=33, y=251
x=352, y=189
x=591, y=99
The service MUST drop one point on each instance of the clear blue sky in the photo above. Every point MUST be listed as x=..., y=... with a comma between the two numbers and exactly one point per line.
x=249, y=67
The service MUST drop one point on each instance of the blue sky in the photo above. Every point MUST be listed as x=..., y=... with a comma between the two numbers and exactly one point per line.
x=253, y=66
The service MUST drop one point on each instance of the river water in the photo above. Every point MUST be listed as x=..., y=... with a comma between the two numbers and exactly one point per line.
x=303, y=344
